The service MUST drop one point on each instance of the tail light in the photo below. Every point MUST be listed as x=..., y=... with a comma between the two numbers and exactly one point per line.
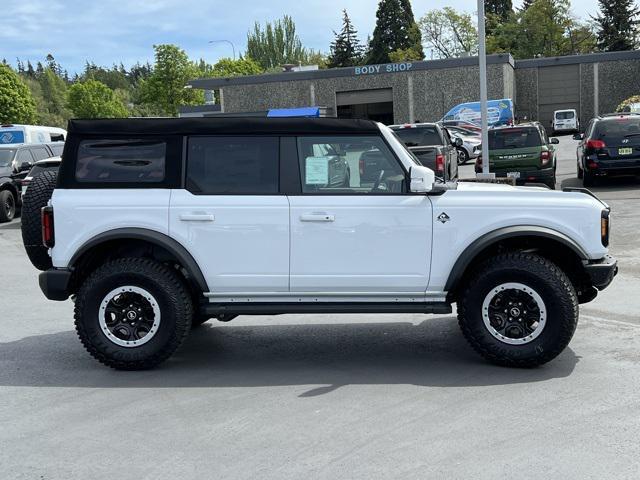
x=361, y=166
x=48, y=237
x=596, y=144
x=440, y=163
x=545, y=157
x=604, y=228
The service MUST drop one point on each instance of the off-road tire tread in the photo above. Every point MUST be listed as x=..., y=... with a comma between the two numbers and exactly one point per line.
x=37, y=196
x=546, y=270
x=171, y=283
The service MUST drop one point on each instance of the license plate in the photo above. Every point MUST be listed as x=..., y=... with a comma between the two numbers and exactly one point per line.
x=513, y=174
x=625, y=151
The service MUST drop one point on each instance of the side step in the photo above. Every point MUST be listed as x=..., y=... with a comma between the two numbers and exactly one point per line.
x=214, y=309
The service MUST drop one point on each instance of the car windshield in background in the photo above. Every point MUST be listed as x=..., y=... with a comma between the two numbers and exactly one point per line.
x=6, y=157
x=616, y=131
x=514, y=138
x=564, y=115
x=419, y=136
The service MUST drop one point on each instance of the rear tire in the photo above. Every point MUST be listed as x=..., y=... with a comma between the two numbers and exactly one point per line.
x=8, y=206
x=133, y=313
x=517, y=338
x=37, y=196
x=589, y=179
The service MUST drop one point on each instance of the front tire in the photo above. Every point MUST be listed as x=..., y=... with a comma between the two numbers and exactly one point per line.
x=7, y=206
x=463, y=156
x=518, y=310
x=133, y=313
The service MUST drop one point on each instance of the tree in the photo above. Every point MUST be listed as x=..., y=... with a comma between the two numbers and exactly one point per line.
x=346, y=50
x=526, y=4
x=395, y=30
x=16, y=102
x=617, y=25
x=93, y=99
x=276, y=44
x=226, y=67
x=500, y=8
x=165, y=88
x=449, y=33
x=52, y=106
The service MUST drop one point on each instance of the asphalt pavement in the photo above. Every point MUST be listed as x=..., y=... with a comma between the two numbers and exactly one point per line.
x=325, y=396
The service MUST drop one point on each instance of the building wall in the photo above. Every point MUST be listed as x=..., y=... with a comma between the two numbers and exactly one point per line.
x=587, y=104
x=617, y=81
x=526, y=97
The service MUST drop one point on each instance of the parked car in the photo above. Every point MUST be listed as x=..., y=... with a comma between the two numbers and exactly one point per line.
x=47, y=165
x=433, y=147
x=609, y=146
x=10, y=197
x=523, y=152
x=461, y=124
x=565, y=121
x=22, y=156
x=154, y=225
x=467, y=150
x=15, y=134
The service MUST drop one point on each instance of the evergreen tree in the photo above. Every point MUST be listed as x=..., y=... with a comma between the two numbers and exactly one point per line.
x=396, y=29
x=526, y=4
x=346, y=50
x=617, y=25
x=499, y=8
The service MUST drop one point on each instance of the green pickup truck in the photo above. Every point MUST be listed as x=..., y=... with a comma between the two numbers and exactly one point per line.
x=523, y=152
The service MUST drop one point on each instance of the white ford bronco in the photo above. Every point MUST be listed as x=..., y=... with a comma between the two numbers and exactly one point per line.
x=153, y=226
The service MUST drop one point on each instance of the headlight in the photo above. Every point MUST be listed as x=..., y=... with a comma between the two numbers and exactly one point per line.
x=604, y=227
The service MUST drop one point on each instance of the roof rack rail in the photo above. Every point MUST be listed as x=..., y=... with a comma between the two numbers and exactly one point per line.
x=618, y=114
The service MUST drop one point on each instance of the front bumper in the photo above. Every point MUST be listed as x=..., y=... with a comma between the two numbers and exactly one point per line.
x=601, y=272
x=54, y=283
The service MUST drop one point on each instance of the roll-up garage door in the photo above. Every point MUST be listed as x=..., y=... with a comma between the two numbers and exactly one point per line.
x=558, y=89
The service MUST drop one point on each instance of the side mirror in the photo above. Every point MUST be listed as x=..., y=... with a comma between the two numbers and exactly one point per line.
x=458, y=142
x=555, y=141
x=422, y=179
x=578, y=136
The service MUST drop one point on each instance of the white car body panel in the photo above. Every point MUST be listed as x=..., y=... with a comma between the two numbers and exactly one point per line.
x=243, y=245
x=81, y=214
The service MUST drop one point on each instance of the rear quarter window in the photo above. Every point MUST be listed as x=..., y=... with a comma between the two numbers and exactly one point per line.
x=121, y=161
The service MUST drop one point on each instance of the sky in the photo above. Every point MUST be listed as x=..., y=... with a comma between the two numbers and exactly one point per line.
x=114, y=31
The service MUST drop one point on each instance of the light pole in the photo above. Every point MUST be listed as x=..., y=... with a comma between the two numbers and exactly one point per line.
x=226, y=41
x=482, y=57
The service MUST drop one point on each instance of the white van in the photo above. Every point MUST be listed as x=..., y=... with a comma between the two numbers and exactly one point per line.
x=10, y=133
x=565, y=121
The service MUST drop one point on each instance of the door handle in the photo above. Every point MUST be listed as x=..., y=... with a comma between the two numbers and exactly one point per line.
x=197, y=217
x=317, y=217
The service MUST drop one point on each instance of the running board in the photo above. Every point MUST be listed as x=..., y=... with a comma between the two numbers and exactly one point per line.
x=215, y=309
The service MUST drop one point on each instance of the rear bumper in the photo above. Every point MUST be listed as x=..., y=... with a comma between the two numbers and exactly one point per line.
x=613, y=167
x=54, y=283
x=601, y=272
x=528, y=176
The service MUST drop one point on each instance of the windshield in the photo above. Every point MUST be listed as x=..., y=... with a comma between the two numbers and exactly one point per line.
x=565, y=115
x=418, y=136
x=618, y=131
x=514, y=138
x=6, y=157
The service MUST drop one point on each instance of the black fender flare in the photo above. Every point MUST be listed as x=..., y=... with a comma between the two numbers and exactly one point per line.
x=486, y=240
x=160, y=239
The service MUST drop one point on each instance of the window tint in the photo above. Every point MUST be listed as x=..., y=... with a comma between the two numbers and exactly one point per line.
x=564, y=115
x=233, y=165
x=57, y=148
x=419, y=136
x=362, y=164
x=616, y=130
x=23, y=155
x=40, y=153
x=514, y=138
x=121, y=161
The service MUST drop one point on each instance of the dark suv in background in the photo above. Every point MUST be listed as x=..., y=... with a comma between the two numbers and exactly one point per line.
x=433, y=147
x=609, y=146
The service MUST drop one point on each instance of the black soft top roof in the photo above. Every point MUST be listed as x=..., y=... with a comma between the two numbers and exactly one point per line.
x=222, y=126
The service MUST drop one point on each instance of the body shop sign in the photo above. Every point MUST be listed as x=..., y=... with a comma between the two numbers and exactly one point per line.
x=386, y=68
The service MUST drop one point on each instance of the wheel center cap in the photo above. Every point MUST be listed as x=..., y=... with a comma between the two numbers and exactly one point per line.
x=515, y=312
x=132, y=315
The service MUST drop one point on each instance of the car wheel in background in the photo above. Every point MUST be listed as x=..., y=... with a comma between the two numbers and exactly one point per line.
x=518, y=310
x=7, y=206
x=37, y=196
x=133, y=313
x=463, y=156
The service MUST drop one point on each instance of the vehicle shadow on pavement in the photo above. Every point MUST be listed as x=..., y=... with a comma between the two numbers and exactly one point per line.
x=324, y=357
x=613, y=184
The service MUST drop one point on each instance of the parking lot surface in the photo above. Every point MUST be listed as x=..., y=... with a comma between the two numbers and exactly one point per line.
x=325, y=396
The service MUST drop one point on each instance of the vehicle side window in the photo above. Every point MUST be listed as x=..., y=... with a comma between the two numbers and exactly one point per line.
x=233, y=165
x=24, y=155
x=57, y=149
x=447, y=138
x=121, y=161
x=351, y=165
x=40, y=153
x=589, y=129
